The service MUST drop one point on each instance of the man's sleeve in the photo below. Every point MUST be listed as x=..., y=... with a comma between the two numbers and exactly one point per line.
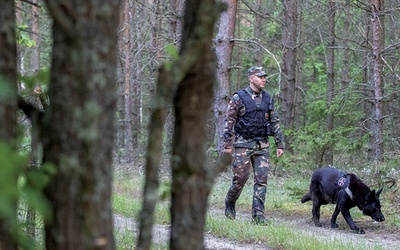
x=230, y=121
x=276, y=129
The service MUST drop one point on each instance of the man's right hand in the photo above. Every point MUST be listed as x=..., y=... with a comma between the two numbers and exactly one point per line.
x=228, y=150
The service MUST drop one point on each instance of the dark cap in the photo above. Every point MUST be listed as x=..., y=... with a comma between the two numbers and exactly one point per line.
x=258, y=71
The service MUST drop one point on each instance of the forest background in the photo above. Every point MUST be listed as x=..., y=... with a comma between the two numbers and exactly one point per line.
x=333, y=69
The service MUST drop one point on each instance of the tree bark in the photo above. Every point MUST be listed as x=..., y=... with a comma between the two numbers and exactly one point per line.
x=125, y=55
x=346, y=55
x=163, y=99
x=223, y=49
x=289, y=60
x=259, y=33
x=175, y=25
x=192, y=175
x=330, y=79
x=8, y=107
x=35, y=140
x=35, y=57
x=78, y=127
x=377, y=82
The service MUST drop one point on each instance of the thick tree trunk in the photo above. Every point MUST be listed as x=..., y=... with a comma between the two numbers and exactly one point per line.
x=8, y=107
x=223, y=48
x=78, y=128
x=192, y=175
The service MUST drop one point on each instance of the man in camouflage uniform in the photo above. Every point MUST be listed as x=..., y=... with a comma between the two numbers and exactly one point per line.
x=249, y=120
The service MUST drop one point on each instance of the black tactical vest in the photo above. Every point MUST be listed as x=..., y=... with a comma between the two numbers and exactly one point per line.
x=254, y=124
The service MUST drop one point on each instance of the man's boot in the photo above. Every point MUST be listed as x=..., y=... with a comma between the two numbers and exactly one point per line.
x=260, y=220
x=230, y=211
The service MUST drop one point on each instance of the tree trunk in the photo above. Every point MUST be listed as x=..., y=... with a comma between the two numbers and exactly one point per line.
x=8, y=108
x=300, y=96
x=377, y=82
x=367, y=91
x=346, y=54
x=192, y=175
x=259, y=33
x=175, y=25
x=35, y=57
x=330, y=79
x=158, y=117
x=35, y=140
x=126, y=69
x=78, y=127
x=223, y=48
x=289, y=60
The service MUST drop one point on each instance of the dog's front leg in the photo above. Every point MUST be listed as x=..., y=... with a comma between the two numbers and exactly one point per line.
x=349, y=220
x=334, y=217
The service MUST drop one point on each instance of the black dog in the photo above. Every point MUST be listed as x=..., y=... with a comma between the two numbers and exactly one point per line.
x=330, y=186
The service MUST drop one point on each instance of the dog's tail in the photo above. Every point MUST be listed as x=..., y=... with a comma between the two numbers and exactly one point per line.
x=306, y=197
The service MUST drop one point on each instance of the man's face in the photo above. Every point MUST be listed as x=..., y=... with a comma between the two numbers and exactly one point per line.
x=257, y=83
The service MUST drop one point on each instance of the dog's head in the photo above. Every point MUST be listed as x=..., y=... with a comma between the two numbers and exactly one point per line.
x=372, y=206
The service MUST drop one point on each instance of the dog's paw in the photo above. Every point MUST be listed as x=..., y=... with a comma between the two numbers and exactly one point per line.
x=359, y=231
x=317, y=224
x=334, y=225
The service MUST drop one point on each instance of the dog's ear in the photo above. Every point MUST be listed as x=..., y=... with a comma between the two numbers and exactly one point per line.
x=379, y=192
x=370, y=196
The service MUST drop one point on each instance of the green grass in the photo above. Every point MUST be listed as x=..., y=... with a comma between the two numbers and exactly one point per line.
x=283, y=197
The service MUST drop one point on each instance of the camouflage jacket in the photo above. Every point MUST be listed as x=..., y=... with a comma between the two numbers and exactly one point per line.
x=235, y=108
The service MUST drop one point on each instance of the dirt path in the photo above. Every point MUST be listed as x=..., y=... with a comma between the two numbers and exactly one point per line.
x=375, y=233
x=161, y=236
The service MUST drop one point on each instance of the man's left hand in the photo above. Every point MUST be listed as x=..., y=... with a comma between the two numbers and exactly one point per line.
x=279, y=152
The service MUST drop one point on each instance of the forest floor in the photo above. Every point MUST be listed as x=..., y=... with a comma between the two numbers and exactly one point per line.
x=376, y=233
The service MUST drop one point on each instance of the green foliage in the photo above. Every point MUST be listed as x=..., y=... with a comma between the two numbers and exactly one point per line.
x=172, y=51
x=35, y=180
x=12, y=165
x=18, y=183
x=31, y=81
x=6, y=93
x=23, y=37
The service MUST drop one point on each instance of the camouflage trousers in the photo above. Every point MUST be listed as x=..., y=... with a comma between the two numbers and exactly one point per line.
x=245, y=159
